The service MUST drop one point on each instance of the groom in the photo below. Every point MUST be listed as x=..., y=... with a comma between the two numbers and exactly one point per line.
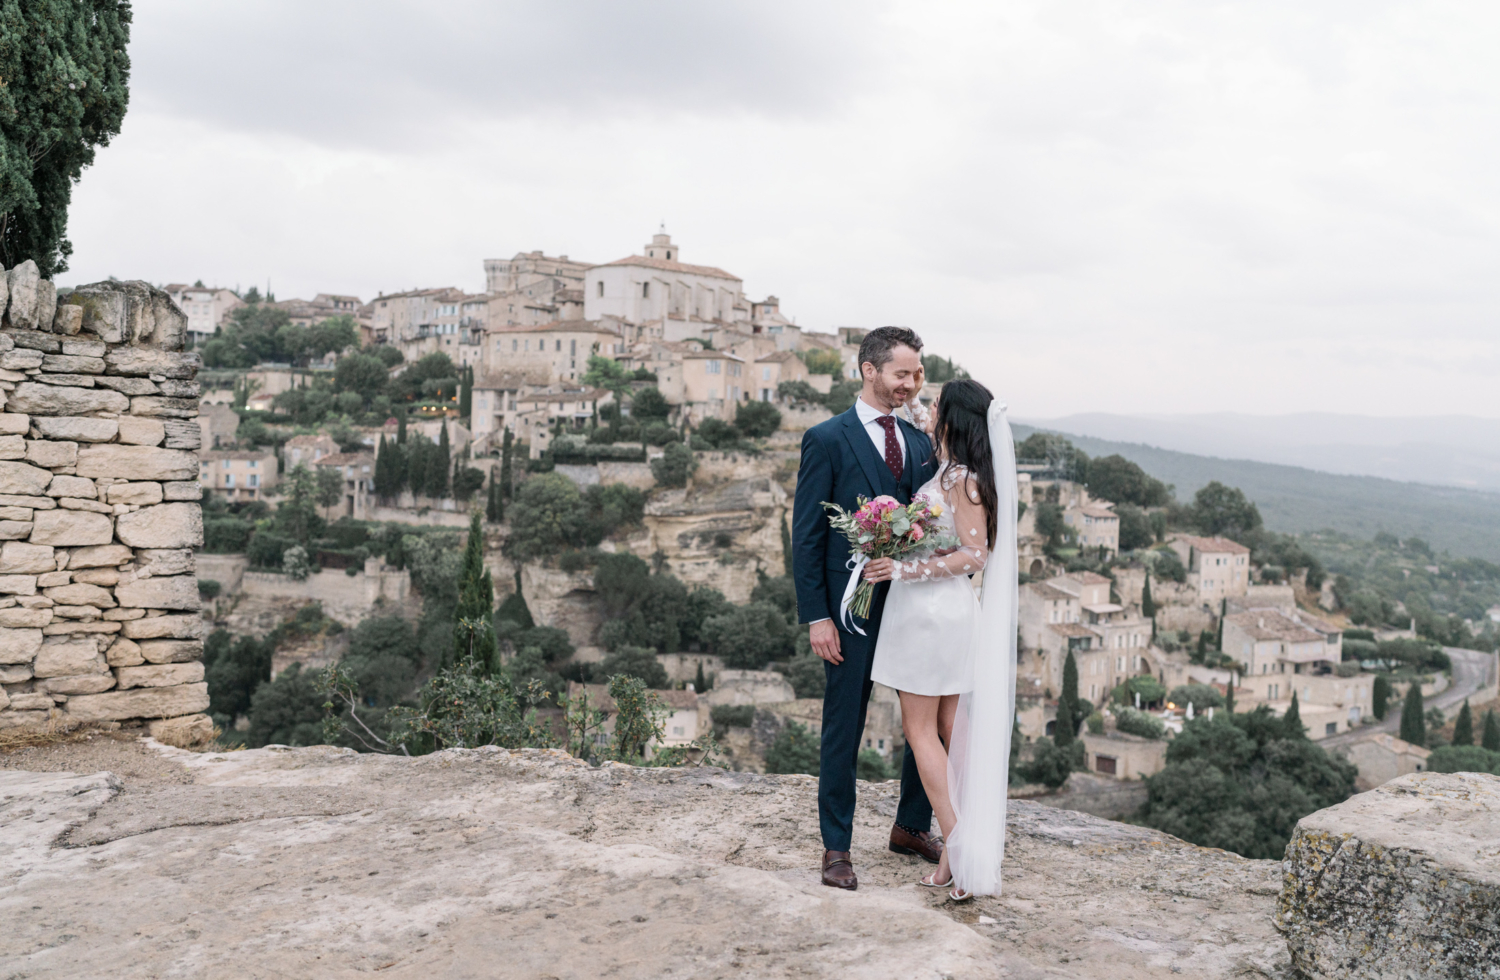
x=865, y=452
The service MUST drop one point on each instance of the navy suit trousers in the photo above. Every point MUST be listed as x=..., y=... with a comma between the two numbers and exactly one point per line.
x=845, y=703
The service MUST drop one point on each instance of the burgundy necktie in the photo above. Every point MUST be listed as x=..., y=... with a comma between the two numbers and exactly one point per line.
x=892, y=447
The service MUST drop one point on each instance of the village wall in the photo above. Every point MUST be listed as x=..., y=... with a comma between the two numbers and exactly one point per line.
x=99, y=507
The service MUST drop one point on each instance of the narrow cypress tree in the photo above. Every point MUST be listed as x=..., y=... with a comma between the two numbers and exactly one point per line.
x=1413, y=726
x=1381, y=696
x=474, y=626
x=700, y=683
x=1070, y=695
x=382, y=470
x=416, y=464
x=1491, y=739
x=401, y=427
x=1463, y=726
x=1148, y=607
x=466, y=394
x=1223, y=611
x=1066, y=728
x=1292, y=720
x=505, y=478
x=514, y=607
x=437, y=472
x=1229, y=693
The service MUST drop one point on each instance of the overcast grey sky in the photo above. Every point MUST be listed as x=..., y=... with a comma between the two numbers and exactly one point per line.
x=1133, y=207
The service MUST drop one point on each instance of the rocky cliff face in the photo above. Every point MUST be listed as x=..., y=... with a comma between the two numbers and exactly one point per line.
x=320, y=862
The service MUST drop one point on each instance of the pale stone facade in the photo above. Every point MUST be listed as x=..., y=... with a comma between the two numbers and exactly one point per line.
x=658, y=284
x=206, y=308
x=1218, y=568
x=238, y=474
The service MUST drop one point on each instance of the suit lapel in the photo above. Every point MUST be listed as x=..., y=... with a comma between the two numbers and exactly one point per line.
x=875, y=469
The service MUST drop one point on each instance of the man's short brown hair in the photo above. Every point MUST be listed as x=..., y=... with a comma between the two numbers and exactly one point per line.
x=879, y=345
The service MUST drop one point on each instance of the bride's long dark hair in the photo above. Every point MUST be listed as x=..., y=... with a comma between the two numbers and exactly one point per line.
x=963, y=430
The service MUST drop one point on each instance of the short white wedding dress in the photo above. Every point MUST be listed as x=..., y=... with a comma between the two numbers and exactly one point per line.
x=926, y=640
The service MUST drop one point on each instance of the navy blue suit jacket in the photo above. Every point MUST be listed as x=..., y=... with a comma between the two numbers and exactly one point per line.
x=840, y=464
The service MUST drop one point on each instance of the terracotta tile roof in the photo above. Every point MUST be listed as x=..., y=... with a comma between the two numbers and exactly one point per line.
x=662, y=265
x=217, y=454
x=712, y=355
x=781, y=356
x=556, y=326
x=346, y=459
x=1049, y=592
x=1071, y=630
x=1087, y=578
x=1268, y=625
x=1218, y=546
x=1098, y=510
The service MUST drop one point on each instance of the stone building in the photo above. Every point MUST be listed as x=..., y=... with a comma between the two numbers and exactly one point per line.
x=238, y=474
x=658, y=285
x=1217, y=568
x=358, y=471
x=205, y=307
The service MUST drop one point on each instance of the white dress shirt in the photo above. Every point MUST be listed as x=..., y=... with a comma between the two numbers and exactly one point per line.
x=867, y=417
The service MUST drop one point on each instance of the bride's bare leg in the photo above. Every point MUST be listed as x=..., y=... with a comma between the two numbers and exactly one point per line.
x=922, y=721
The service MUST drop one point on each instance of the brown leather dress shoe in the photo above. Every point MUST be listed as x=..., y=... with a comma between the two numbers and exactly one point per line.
x=838, y=870
x=926, y=845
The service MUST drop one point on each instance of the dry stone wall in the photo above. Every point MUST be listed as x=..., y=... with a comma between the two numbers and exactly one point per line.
x=99, y=511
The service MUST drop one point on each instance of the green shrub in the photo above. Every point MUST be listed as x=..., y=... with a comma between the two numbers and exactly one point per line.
x=674, y=467
x=795, y=750
x=1463, y=758
x=209, y=588
x=1200, y=696
x=757, y=420
x=1133, y=722
x=1050, y=763
x=733, y=715
x=636, y=662
x=872, y=767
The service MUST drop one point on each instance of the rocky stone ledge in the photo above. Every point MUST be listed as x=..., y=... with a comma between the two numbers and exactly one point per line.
x=1402, y=881
x=98, y=506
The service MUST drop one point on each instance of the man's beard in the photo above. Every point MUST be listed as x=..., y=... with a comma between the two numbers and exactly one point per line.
x=887, y=394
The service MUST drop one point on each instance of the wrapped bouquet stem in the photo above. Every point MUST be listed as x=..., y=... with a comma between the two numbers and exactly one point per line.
x=883, y=528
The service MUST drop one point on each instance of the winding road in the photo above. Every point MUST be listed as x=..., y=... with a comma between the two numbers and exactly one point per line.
x=1472, y=670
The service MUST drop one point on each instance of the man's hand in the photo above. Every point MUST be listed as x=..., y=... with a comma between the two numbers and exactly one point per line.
x=825, y=641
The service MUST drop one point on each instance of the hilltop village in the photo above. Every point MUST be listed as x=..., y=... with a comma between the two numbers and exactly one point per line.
x=628, y=434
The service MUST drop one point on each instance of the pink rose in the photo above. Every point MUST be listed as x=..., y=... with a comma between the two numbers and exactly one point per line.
x=916, y=533
x=886, y=502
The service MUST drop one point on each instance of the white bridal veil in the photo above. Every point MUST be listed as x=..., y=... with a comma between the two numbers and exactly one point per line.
x=979, y=751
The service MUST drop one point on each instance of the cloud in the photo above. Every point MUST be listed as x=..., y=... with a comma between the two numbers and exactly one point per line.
x=1100, y=206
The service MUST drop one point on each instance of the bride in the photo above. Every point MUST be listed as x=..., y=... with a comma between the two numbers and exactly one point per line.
x=952, y=655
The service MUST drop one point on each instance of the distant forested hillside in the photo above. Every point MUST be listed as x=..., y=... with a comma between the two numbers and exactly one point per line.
x=1463, y=522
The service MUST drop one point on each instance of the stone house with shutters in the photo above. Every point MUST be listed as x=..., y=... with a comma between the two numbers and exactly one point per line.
x=307, y=450
x=682, y=724
x=238, y=474
x=1096, y=525
x=1217, y=568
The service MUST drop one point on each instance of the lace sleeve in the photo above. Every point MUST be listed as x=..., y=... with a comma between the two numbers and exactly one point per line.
x=970, y=525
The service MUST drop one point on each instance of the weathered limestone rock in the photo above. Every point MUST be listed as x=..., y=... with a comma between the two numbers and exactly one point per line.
x=158, y=592
x=132, y=312
x=142, y=361
x=68, y=319
x=174, y=562
x=136, y=463
x=156, y=405
x=49, y=580
x=14, y=424
x=36, y=503
x=174, y=627
x=140, y=702
x=59, y=659
x=171, y=651
x=137, y=431
x=31, y=702
x=19, y=616
x=23, y=719
x=105, y=577
x=19, y=646
x=17, y=556
x=85, y=348
x=15, y=673
x=71, y=528
x=21, y=360
x=12, y=447
x=162, y=526
x=71, y=380
x=45, y=452
x=183, y=732
x=159, y=675
x=184, y=435
x=18, y=584
x=77, y=684
x=72, y=364
x=143, y=494
x=31, y=340
x=46, y=304
x=14, y=530
x=69, y=627
x=100, y=556
x=76, y=429
x=72, y=486
x=124, y=653
x=182, y=490
x=1402, y=881
x=23, y=479
x=23, y=281
x=44, y=399
x=80, y=594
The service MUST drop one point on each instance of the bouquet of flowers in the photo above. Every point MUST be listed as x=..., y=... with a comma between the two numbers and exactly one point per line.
x=885, y=528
